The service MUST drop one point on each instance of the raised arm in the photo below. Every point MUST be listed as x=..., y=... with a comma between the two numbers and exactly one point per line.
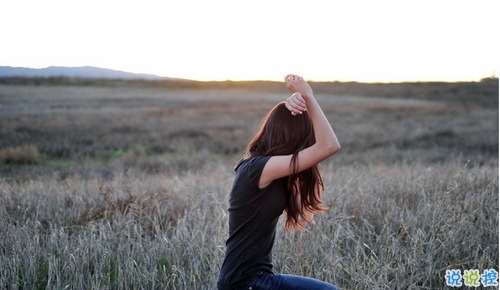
x=326, y=144
x=325, y=137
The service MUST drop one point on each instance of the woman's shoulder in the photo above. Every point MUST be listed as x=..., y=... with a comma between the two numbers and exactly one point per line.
x=248, y=170
x=252, y=162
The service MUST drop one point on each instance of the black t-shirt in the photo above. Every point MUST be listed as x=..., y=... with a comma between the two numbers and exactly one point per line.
x=253, y=215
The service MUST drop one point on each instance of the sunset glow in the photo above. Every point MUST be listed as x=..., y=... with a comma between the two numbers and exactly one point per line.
x=370, y=41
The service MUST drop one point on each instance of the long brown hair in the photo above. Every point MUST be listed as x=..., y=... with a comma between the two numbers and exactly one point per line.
x=281, y=133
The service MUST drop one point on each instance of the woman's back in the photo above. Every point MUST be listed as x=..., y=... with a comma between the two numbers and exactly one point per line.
x=253, y=215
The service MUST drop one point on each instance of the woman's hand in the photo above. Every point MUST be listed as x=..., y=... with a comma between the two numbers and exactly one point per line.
x=296, y=83
x=296, y=104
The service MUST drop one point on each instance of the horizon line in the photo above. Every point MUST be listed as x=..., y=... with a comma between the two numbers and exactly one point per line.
x=163, y=77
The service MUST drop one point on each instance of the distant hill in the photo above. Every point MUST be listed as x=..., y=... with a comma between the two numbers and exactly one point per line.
x=76, y=72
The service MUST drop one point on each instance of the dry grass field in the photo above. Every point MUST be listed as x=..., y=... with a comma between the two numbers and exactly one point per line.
x=124, y=184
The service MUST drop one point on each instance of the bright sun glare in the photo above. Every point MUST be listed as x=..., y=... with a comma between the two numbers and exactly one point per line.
x=370, y=41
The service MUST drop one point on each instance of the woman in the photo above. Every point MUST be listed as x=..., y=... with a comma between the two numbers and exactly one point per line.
x=279, y=172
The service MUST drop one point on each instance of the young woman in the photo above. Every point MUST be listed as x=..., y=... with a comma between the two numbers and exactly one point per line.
x=279, y=172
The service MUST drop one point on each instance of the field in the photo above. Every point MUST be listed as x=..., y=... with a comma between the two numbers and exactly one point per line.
x=124, y=184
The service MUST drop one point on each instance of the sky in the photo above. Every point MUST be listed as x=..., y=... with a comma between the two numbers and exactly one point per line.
x=366, y=41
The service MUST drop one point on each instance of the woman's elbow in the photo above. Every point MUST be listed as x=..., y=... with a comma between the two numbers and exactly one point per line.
x=333, y=148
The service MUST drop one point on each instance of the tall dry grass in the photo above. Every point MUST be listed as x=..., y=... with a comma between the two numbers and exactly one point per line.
x=26, y=154
x=126, y=185
x=389, y=227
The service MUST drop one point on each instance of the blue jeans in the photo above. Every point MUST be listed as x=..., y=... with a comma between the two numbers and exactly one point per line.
x=267, y=281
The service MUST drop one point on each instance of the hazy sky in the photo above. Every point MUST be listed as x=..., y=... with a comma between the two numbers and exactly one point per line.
x=346, y=40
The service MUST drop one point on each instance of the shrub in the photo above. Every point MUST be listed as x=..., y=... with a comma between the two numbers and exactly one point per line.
x=26, y=154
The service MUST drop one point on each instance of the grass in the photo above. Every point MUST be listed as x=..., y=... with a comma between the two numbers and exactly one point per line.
x=19, y=155
x=129, y=190
x=389, y=227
